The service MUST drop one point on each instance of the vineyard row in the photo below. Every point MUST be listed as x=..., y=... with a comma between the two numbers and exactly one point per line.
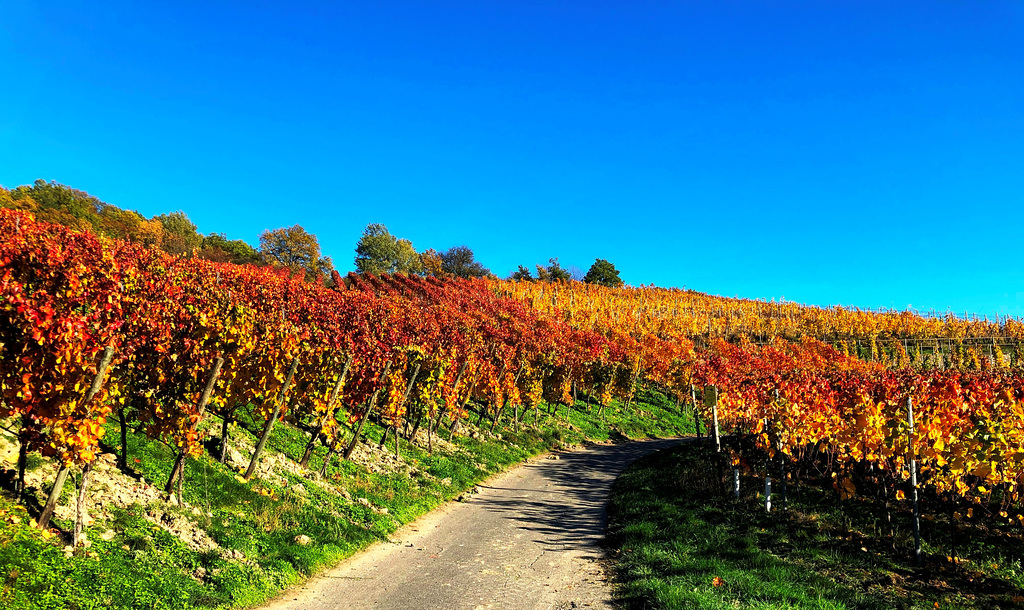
x=92, y=328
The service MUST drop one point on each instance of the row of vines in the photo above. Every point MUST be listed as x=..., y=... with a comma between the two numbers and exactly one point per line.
x=832, y=389
x=93, y=329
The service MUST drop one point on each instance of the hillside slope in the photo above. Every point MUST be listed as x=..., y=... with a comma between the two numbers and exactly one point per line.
x=235, y=544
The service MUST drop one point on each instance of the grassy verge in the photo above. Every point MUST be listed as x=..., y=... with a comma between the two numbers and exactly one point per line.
x=680, y=544
x=136, y=560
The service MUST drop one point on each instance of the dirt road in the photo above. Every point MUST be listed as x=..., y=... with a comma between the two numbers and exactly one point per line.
x=529, y=540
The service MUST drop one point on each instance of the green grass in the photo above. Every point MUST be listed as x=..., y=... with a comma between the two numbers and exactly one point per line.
x=144, y=566
x=673, y=533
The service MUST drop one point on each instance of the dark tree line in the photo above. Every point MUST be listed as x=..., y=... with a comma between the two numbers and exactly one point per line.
x=601, y=272
x=377, y=251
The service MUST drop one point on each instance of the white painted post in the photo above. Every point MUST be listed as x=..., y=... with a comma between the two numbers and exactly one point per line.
x=696, y=414
x=768, y=467
x=711, y=400
x=913, y=481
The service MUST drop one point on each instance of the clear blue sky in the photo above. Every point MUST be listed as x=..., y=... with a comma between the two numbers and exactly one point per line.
x=867, y=153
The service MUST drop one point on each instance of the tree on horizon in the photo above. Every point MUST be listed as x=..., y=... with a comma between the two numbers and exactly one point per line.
x=522, y=274
x=603, y=273
x=459, y=261
x=553, y=272
x=295, y=248
x=379, y=252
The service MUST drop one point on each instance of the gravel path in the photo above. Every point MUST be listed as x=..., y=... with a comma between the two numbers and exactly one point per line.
x=530, y=539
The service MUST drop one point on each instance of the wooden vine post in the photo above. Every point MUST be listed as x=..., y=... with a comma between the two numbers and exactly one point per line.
x=433, y=424
x=913, y=481
x=23, y=440
x=462, y=406
x=62, y=474
x=78, y=536
x=177, y=471
x=333, y=448
x=782, y=463
x=329, y=457
x=483, y=407
x=335, y=392
x=768, y=471
x=782, y=478
x=272, y=419
x=225, y=430
x=405, y=399
x=362, y=420
x=504, y=404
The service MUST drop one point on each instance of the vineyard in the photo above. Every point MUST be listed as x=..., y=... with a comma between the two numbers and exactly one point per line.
x=94, y=331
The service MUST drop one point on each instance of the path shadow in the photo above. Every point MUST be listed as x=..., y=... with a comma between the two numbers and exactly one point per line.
x=570, y=511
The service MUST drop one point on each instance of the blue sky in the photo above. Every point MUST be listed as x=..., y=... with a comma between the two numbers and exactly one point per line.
x=867, y=153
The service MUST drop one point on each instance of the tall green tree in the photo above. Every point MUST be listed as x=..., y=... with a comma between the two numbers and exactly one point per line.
x=461, y=262
x=603, y=273
x=522, y=274
x=378, y=251
x=217, y=247
x=181, y=236
x=174, y=233
x=130, y=225
x=60, y=204
x=56, y=196
x=295, y=248
x=431, y=262
x=553, y=272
